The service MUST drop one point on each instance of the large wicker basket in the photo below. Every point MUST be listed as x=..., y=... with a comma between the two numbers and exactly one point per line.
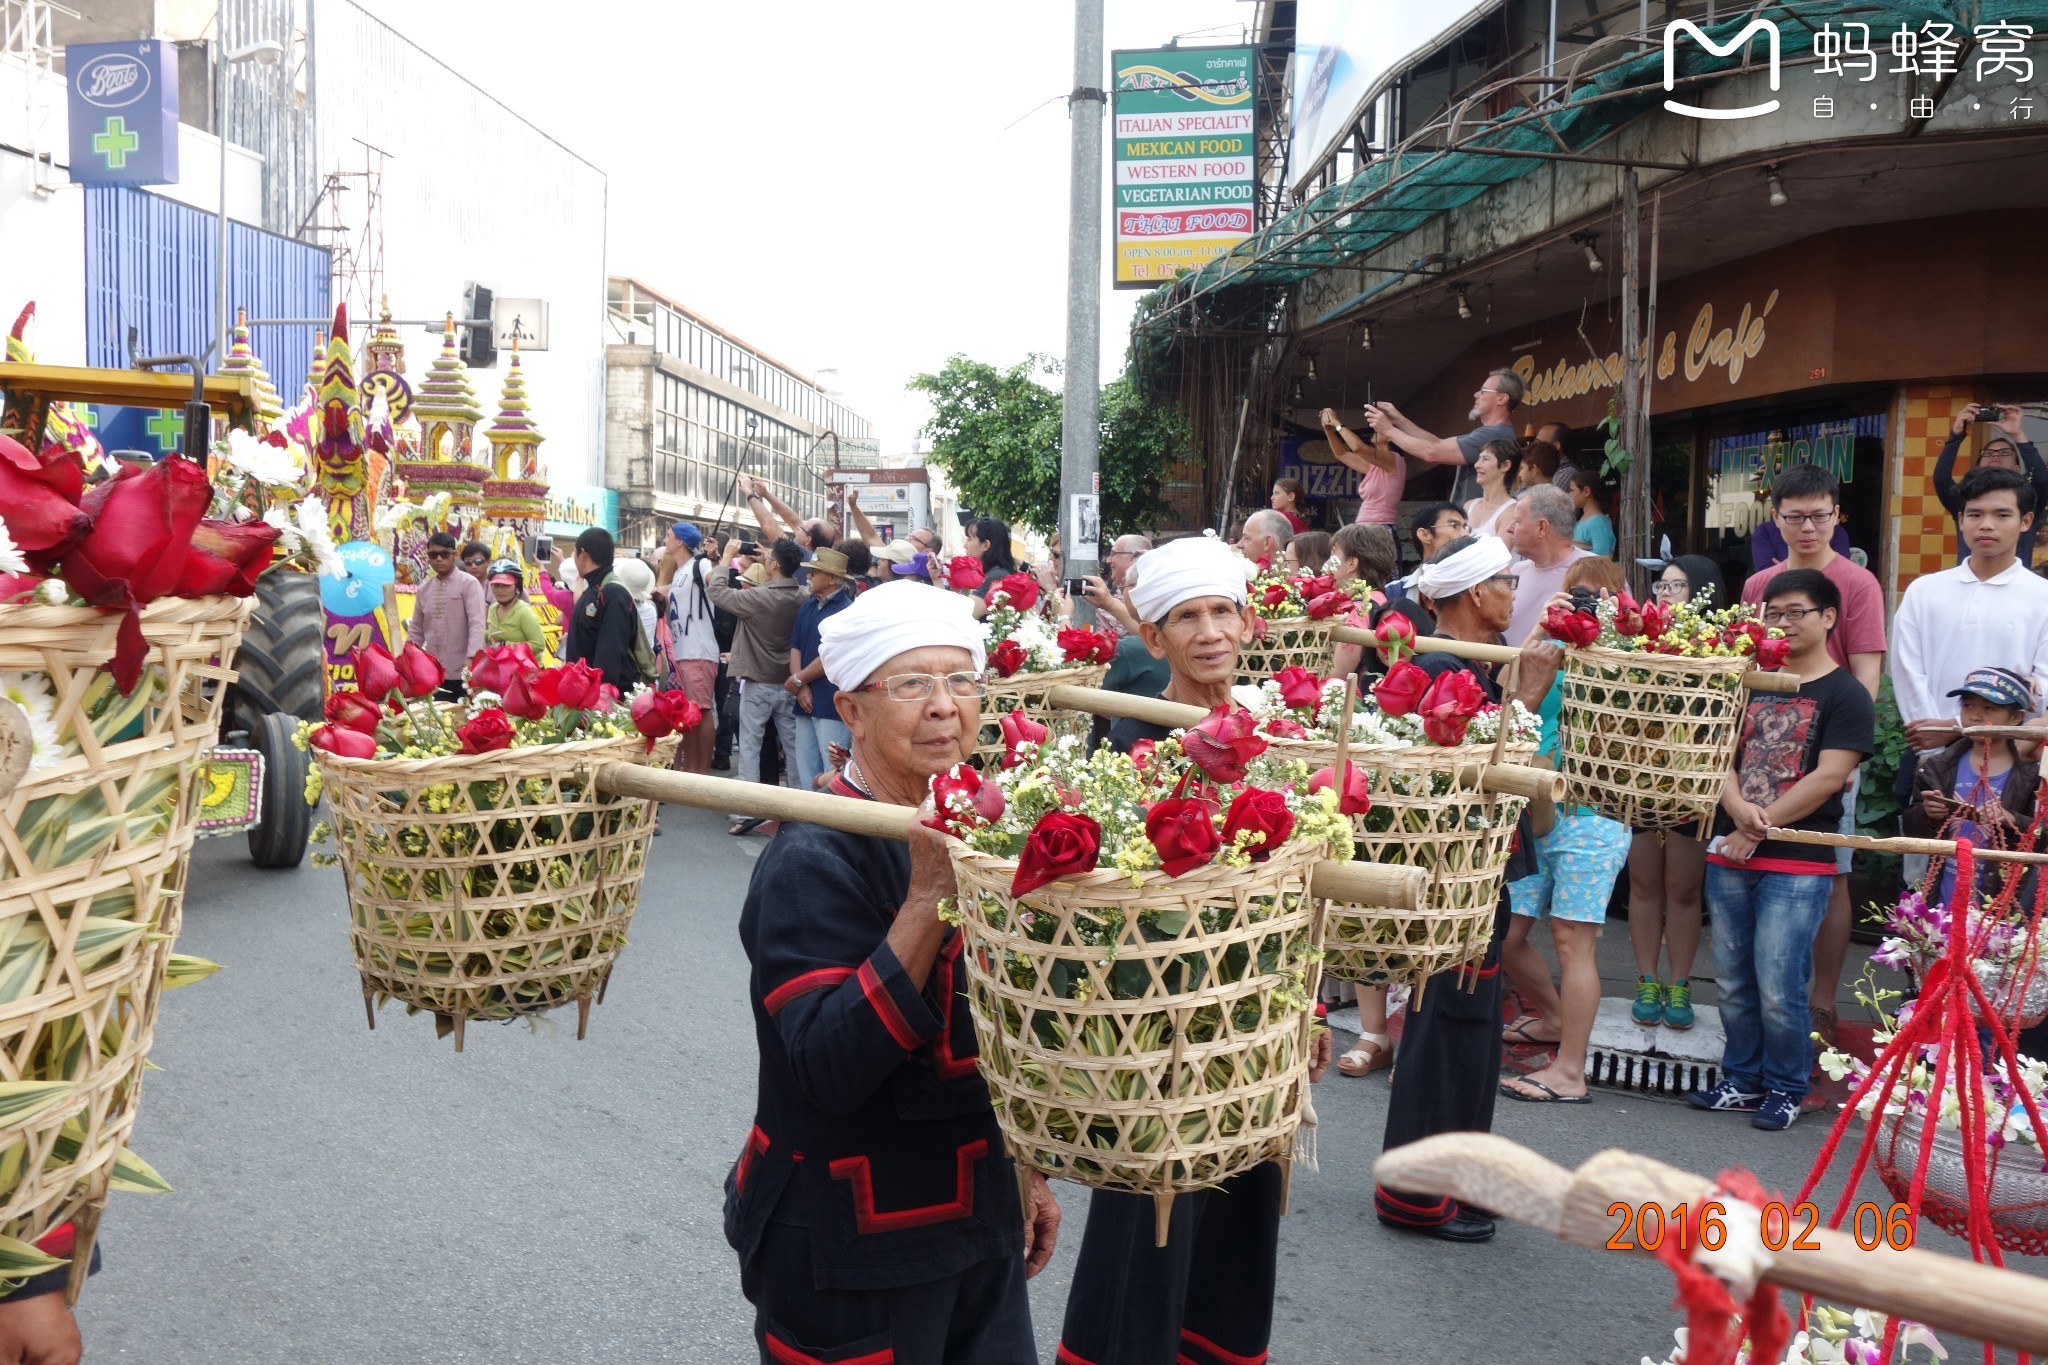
x=1028, y=692
x=2016, y=1186
x=92, y=871
x=1428, y=812
x=1152, y=1039
x=1291, y=640
x=1646, y=739
x=488, y=886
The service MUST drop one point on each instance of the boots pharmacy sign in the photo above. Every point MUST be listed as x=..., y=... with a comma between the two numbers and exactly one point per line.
x=1183, y=159
x=122, y=101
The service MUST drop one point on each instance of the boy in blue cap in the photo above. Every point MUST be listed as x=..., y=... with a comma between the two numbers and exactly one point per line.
x=1978, y=783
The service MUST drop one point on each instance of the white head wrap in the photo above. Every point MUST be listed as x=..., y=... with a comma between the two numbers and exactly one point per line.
x=1182, y=570
x=893, y=619
x=1468, y=568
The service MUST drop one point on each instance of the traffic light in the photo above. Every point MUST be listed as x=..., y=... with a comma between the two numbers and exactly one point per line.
x=476, y=346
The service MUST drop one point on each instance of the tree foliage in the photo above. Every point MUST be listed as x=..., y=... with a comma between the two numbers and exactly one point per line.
x=996, y=433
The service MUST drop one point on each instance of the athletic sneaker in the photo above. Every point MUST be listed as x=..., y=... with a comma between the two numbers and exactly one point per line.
x=1726, y=1096
x=1778, y=1112
x=1649, y=1006
x=1678, y=1005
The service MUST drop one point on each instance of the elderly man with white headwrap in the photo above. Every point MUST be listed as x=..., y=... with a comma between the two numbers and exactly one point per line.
x=1447, y=1071
x=873, y=1206
x=1207, y=1295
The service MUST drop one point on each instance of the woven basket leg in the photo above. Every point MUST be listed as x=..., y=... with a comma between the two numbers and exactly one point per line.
x=86, y=1225
x=369, y=1004
x=582, y=1014
x=604, y=983
x=1286, y=1181
x=1162, y=1216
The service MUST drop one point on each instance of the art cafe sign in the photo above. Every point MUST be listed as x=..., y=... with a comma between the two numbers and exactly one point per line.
x=1714, y=345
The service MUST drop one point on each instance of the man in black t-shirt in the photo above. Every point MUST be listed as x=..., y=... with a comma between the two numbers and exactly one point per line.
x=1768, y=896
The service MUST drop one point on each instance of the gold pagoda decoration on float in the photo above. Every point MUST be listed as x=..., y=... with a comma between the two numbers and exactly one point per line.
x=242, y=359
x=516, y=497
x=446, y=409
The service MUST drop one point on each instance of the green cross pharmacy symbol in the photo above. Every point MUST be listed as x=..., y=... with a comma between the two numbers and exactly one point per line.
x=115, y=142
x=167, y=427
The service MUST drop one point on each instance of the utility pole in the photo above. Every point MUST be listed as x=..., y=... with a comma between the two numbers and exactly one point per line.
x=1080, y=509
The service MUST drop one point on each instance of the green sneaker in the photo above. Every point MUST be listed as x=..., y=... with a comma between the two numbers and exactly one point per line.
x=1678, y=1005
x=1649, y=1006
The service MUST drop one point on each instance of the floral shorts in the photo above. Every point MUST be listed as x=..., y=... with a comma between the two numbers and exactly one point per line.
x=1576, y=864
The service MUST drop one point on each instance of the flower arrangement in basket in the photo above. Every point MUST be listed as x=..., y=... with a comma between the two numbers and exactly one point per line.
x=120, y=614
x=1141, y=950
x=1418, y=745
x=1293, y=615
x=1651, y=703
x=1029, y=654
x=1832, y=1336
x=486, y=878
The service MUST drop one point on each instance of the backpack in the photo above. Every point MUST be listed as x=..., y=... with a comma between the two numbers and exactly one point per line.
x=643, y=653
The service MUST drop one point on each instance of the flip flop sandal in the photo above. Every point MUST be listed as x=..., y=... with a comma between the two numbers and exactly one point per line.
x=747, y=826
x=1548, y=1096
x=1376, y=1049
x=1517, y=1034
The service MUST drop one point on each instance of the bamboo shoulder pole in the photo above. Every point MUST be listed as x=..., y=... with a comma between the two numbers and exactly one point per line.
x=1755, y=679
x=1945, y=1292
x=1933, y=848
x=1398, y=888
x=1501, y=779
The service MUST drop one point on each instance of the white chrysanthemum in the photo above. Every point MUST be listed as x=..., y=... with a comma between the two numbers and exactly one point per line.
x=31, y=692
x=310, y=520
x=55, y=591
x=47, y=748
x=288, y=536
x=11, y=558
x=277, y=466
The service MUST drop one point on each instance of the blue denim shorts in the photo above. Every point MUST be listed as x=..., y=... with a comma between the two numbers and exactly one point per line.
x=1576, y=865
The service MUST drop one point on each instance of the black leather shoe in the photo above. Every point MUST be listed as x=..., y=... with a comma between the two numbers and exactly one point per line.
x=1467, y=1225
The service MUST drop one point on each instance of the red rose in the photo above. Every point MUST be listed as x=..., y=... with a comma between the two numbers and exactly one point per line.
x=1262, y=813
x=376, y=672
x=19, y=587
x=1316, y=586
x=1449, y=705
x=522, y=697
x=1280, y=727
x=489, y=730
x=41, y=500
x=1355, y=798
x=1183, y=829
x=1141, y=753
x=607, y=697
x=1006, y=658
x=1656, y=620
x=1223, y=743
x=1019, y=733
x=965, y=572
x=656, y=714
x=345, y=743
x=1772, y=653
x=576, y=685
x=1273, y=595
x=142, y=525
x=963, y=799
x=1572, y=626
x=353, y=711
x=1258, y=627
x=1061, y=844
x=1328, y=605
x=1020, y=589
x=1079, y=644
x=419, y=673
x=1400, y=692
x=1300, y=688
x=1396, y=636
x=1628, y=619
x=225, y=557
x=493, y=669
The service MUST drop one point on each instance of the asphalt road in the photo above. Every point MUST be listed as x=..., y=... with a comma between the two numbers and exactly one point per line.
x=344, y=1195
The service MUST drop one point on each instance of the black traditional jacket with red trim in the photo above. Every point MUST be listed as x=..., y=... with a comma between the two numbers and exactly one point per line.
x=872, y=1128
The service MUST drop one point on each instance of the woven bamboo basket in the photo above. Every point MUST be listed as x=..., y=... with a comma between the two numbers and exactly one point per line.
x=1290, y=640
x=1646, y=739
x=2016, y=1188
x=468, y=908
x=1028, y=692
x=92, y=871
x=1151, y=1039
x=1461, y=836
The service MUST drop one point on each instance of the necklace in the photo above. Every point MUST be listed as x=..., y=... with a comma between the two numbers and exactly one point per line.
x=852, y=774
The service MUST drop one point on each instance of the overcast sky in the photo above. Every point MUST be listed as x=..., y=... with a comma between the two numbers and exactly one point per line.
x=866, y=187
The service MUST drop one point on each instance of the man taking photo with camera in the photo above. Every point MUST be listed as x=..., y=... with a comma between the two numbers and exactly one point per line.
x=2005, y=447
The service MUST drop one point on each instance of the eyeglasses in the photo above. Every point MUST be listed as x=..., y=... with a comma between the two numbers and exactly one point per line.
x=440, y=554
x=1807, y=518
x=920, y=686
x=1666, y=589
x=475, y=563
x=1781, y=616
x=1513, y=580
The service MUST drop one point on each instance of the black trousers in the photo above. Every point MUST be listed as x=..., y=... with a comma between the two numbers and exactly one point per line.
x=976, y=1317
x=1205, y=1298
x=1446, y=1073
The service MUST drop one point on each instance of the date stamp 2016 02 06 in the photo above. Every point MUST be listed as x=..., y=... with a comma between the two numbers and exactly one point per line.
x=1645, y=1227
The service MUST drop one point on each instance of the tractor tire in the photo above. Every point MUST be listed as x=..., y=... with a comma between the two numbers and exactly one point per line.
x=281, y=663
x=279, y=839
